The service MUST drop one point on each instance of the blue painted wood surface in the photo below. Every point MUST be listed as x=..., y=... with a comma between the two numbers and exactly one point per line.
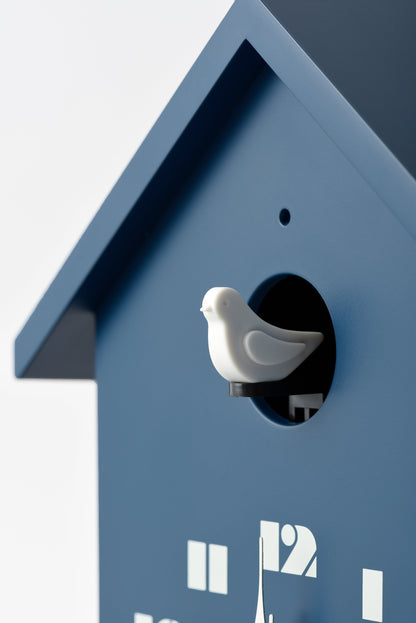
x=255, y=127
x=181, y=460
x=53, y=344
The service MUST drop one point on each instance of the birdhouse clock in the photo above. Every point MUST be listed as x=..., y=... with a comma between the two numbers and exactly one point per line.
x=266, y=473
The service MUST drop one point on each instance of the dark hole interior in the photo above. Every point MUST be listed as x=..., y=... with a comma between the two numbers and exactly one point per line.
x=293, y=303
x=284, y=217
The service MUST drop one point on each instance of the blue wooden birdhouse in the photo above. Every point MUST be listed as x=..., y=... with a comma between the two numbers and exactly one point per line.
x=282, y=488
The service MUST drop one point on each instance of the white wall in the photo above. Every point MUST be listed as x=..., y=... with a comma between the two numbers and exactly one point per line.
x=81, y=84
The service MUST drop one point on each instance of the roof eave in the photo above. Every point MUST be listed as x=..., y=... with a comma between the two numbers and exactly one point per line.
x=66, y=310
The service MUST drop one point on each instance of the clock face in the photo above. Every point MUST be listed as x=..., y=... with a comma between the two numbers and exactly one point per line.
x=207, y=570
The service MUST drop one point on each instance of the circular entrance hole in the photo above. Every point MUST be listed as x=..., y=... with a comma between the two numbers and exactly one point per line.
x=291, y=302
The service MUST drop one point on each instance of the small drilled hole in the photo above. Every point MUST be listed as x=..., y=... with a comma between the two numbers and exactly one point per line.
x=284, y=217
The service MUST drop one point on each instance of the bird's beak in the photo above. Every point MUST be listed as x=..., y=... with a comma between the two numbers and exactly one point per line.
x=208, y=308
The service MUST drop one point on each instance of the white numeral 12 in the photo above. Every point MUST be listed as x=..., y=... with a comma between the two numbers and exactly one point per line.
x=302, y=557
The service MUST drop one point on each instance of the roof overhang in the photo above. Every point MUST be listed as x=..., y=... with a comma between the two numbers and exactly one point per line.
x=58, y=339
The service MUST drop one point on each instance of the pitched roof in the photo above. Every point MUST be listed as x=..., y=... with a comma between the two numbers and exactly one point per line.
x=58, y=339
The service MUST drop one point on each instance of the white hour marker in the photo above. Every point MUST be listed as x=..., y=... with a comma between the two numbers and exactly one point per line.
x=142, y=618
x=218, y=569
x=216, y=563
x=197, y=565
x=372, y=595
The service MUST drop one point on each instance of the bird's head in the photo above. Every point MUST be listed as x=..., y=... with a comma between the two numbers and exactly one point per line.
x=221, y=303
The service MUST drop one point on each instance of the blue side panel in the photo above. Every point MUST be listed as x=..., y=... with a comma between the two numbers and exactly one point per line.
x=367, y=50
x=179, y=460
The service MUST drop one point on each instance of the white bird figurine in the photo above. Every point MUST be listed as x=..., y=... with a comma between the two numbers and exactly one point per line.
x=246, y=349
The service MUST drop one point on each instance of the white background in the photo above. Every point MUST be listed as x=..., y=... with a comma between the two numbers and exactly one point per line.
x=82, y=82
